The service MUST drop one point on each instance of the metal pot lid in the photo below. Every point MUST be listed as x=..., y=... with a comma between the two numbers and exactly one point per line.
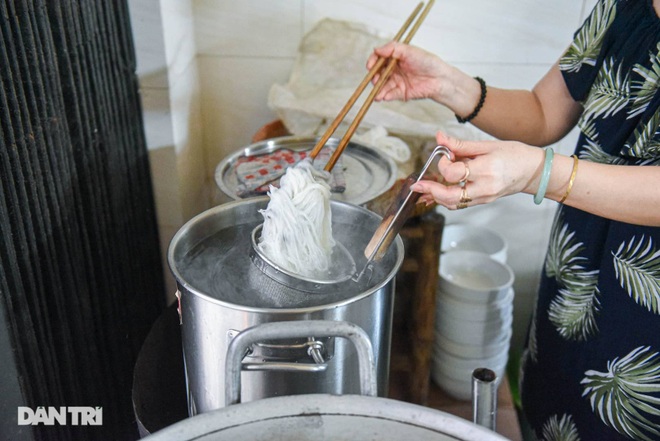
x=316, y=417
x=368, y=172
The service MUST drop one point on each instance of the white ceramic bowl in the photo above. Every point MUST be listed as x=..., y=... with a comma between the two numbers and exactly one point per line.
x=473, y=332
x=443, y=358
x=471, y=311
x=473, y=350
x=496, y=319
x=461, y=368
x=460, y=390
x=472, y=276
x=461, y=236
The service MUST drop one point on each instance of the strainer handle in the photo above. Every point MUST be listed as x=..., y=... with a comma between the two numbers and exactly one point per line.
x=296, y=329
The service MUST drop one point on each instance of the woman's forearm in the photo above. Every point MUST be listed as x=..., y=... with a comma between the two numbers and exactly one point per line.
x=628, y=194
x=513, y=115
x=538, y=117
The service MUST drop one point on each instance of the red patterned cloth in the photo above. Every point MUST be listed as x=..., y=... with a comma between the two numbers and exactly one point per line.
x=255, y=174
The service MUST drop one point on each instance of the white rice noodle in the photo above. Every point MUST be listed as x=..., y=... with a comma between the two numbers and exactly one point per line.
x=297, y=229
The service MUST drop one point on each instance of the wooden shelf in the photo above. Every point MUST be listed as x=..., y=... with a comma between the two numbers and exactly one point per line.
x=401, y=368
x=406, y=369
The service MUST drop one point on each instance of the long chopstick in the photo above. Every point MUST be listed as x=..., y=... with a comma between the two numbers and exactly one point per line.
x=379, y=85
x=367, y=79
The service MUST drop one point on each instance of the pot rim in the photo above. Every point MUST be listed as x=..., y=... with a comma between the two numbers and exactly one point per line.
x=184, y=287
x=302, y=406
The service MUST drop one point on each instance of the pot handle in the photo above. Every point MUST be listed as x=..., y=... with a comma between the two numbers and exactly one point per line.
x=296, y=329
x=312, y=348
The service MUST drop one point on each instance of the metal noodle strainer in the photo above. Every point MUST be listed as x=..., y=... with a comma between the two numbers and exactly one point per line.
x=341, y=271
x=398, y=213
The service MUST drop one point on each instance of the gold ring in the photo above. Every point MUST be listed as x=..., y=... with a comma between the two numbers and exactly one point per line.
x=464, y=196
x=467, y=174
x=465, y=199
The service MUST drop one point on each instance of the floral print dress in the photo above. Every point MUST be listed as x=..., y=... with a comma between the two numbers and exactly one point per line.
x=591, y=369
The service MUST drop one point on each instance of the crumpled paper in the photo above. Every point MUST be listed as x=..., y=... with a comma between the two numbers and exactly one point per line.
x=329, y=66
x=392, y=146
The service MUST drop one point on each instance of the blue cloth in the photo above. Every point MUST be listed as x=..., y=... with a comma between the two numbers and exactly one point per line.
x=591, y=370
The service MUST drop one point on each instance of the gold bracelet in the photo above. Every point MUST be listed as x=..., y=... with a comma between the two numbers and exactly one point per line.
x=572, y=179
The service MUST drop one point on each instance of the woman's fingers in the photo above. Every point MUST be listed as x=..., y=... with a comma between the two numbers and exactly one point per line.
x=389, y=91
x=394, y=88
x=447, y=196
x=457, y=169
x=385, y=51
x=464, y=149
x=454, y=172
x=466, y=181
x=471, y=160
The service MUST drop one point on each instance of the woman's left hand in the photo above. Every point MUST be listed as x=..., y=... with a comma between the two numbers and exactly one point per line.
x=485, y=170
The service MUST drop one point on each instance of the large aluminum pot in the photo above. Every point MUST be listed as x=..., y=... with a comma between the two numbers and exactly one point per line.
x=221, y=293
x=318, y=416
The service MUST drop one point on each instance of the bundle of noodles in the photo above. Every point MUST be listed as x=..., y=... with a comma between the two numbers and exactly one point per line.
x=297, y=229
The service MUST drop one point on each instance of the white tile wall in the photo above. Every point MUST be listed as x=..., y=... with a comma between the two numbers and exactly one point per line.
x=234, y=100
x=248, y=28
x=214, y=61
x=163, y=32
x=147, y=24
x=478, y=31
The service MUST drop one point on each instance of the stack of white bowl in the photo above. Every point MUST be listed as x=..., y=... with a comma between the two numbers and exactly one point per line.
x=474, y=308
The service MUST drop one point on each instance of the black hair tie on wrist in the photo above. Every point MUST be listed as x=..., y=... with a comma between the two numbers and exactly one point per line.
x=480, y=104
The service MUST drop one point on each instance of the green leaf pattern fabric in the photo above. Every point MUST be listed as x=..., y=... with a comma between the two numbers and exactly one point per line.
x=637, y=265
x=560, y=429
x=585, y=47
x=610, y=94
x=621, y=396
x=574, y=310
x=594, y=152
x=591, y=368
x=646, y=86
x=644, y=142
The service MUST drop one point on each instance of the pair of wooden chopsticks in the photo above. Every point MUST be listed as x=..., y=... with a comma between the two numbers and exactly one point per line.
x=384, y=75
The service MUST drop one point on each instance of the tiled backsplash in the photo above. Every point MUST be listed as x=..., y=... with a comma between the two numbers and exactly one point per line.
x=206, y=66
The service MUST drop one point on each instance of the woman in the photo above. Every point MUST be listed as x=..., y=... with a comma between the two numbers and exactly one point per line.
x=591, y=370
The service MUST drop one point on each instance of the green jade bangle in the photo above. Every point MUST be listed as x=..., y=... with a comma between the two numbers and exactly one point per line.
x=545, y=176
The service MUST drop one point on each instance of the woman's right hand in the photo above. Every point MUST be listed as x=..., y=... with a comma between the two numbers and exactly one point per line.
x=418, y=73
x=496, y=169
